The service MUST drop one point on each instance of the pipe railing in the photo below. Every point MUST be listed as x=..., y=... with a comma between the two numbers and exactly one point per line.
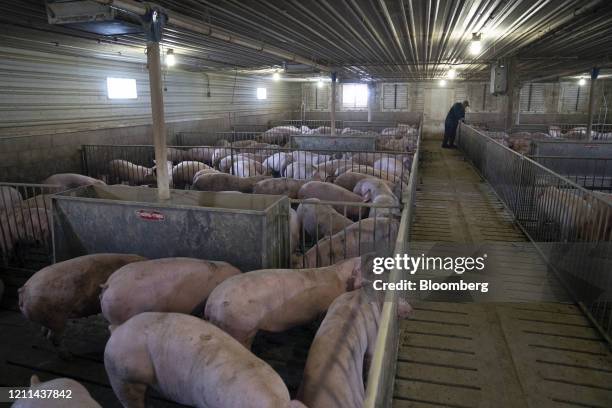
x=570, y=226
x=381, y=376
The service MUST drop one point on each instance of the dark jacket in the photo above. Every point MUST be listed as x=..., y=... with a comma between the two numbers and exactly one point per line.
x=455, y=114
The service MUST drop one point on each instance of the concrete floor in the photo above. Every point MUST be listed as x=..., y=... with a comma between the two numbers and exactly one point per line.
x=530, y=347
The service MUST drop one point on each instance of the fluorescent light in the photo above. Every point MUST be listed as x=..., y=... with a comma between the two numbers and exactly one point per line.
x=452, y=74
x=121, y=88
x=170, y=58
x=582, y=82
x=320, y=83
x=276, y=76
x=442, y=82
x=475, y=44
x=262, y=93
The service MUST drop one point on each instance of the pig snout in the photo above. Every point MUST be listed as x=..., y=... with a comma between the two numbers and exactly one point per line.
x=404, y=310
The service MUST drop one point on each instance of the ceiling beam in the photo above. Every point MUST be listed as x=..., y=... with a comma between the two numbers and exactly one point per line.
x=189, y=24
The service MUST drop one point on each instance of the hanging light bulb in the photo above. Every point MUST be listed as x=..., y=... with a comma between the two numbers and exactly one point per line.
x=320, y=83
x=276, y=76
x=582, y=82
x=475, y=44
x=170, y=58
x=452, y=74
x=442, y=82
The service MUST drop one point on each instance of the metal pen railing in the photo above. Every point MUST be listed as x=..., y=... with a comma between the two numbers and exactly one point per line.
x=381, y=376
x=134, y=164
x=592, y=173
x=570, y=226
x=25, y=225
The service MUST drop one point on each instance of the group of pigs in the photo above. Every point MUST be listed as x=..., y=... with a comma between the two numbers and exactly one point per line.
x=25, y=220
x=256, y=159
x=185, y=326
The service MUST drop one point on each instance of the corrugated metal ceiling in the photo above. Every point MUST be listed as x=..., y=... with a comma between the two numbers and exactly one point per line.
x=377, y=39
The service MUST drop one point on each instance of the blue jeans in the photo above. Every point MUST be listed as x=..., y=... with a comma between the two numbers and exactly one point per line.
x=450, y=130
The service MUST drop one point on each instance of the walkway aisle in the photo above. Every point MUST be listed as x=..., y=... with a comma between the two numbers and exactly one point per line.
x=535, y=350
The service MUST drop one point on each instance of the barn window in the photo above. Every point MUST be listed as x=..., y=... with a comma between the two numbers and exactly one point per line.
x=317, y=98
x=573, y=98
x=394, y=97
x=532, y=98
x=262, y=93
x=354, y=96
x=121, y=88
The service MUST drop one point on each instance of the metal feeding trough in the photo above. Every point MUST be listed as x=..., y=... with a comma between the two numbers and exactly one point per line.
x=337, y=142
x=249, y=231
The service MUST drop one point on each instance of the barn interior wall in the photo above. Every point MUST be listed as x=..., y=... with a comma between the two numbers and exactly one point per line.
x=484, y=107
x=52, y=104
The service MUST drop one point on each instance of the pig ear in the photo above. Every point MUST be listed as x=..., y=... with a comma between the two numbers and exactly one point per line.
x=367, y=196
x=34, y=380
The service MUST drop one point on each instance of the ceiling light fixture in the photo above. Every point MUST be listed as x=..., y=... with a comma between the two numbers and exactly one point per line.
x=476, y=44
x=452, y=74
x=582, y=82
x=276, y=76
x=442, y=82
x=170, y=58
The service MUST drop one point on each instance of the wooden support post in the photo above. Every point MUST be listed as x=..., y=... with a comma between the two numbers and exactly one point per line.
x=510, y=94
x=159, y=123
x=371, y=94
x=332, y=110
x=594, y=75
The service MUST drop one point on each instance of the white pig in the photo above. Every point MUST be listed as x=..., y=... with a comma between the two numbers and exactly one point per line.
x=189, y=361
x=278, y=299
x=79, y=396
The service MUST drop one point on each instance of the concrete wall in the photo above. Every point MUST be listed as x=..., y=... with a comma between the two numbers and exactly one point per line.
x=52, y=104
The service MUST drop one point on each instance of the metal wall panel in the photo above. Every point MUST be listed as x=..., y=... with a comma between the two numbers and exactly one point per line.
x=43, y=92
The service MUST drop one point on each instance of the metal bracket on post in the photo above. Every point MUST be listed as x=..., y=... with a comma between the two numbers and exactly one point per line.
x=153, y=22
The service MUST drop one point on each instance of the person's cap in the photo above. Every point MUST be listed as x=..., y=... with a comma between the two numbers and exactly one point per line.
x=466, y=103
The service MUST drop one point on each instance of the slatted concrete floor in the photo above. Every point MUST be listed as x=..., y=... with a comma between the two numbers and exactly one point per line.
x=532, y=349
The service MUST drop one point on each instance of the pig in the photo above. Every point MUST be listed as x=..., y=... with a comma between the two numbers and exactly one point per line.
x=334, y=370
x=394, y=166
x=202, y=172
x=133, y=174
x=370, y=188
x=562, y=206
x=226, y=182
x=276, y=300
x=37, y=201
x=599, y=225
x=9, y=198
x=184, y=172
x=330, y=166
x=385, y=205
x=248, y=168
x=179, y=285
x=27, y=225
x=363, y=236
x=294, y=230
x=201, y=154
x=349, y=179
x=369, y=171
x=71, y=180
x=219, y=154
x=331, y=192
x=301, y=171
x=225, y=164
x=79, y=396
x=278, y=161
x=320, y=220
x=68, y=289
x=279, y=186
x=175, y=155
x=191, y=362
x=308, y=157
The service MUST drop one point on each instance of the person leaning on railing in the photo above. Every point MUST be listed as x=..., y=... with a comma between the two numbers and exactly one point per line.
x=455, y=114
